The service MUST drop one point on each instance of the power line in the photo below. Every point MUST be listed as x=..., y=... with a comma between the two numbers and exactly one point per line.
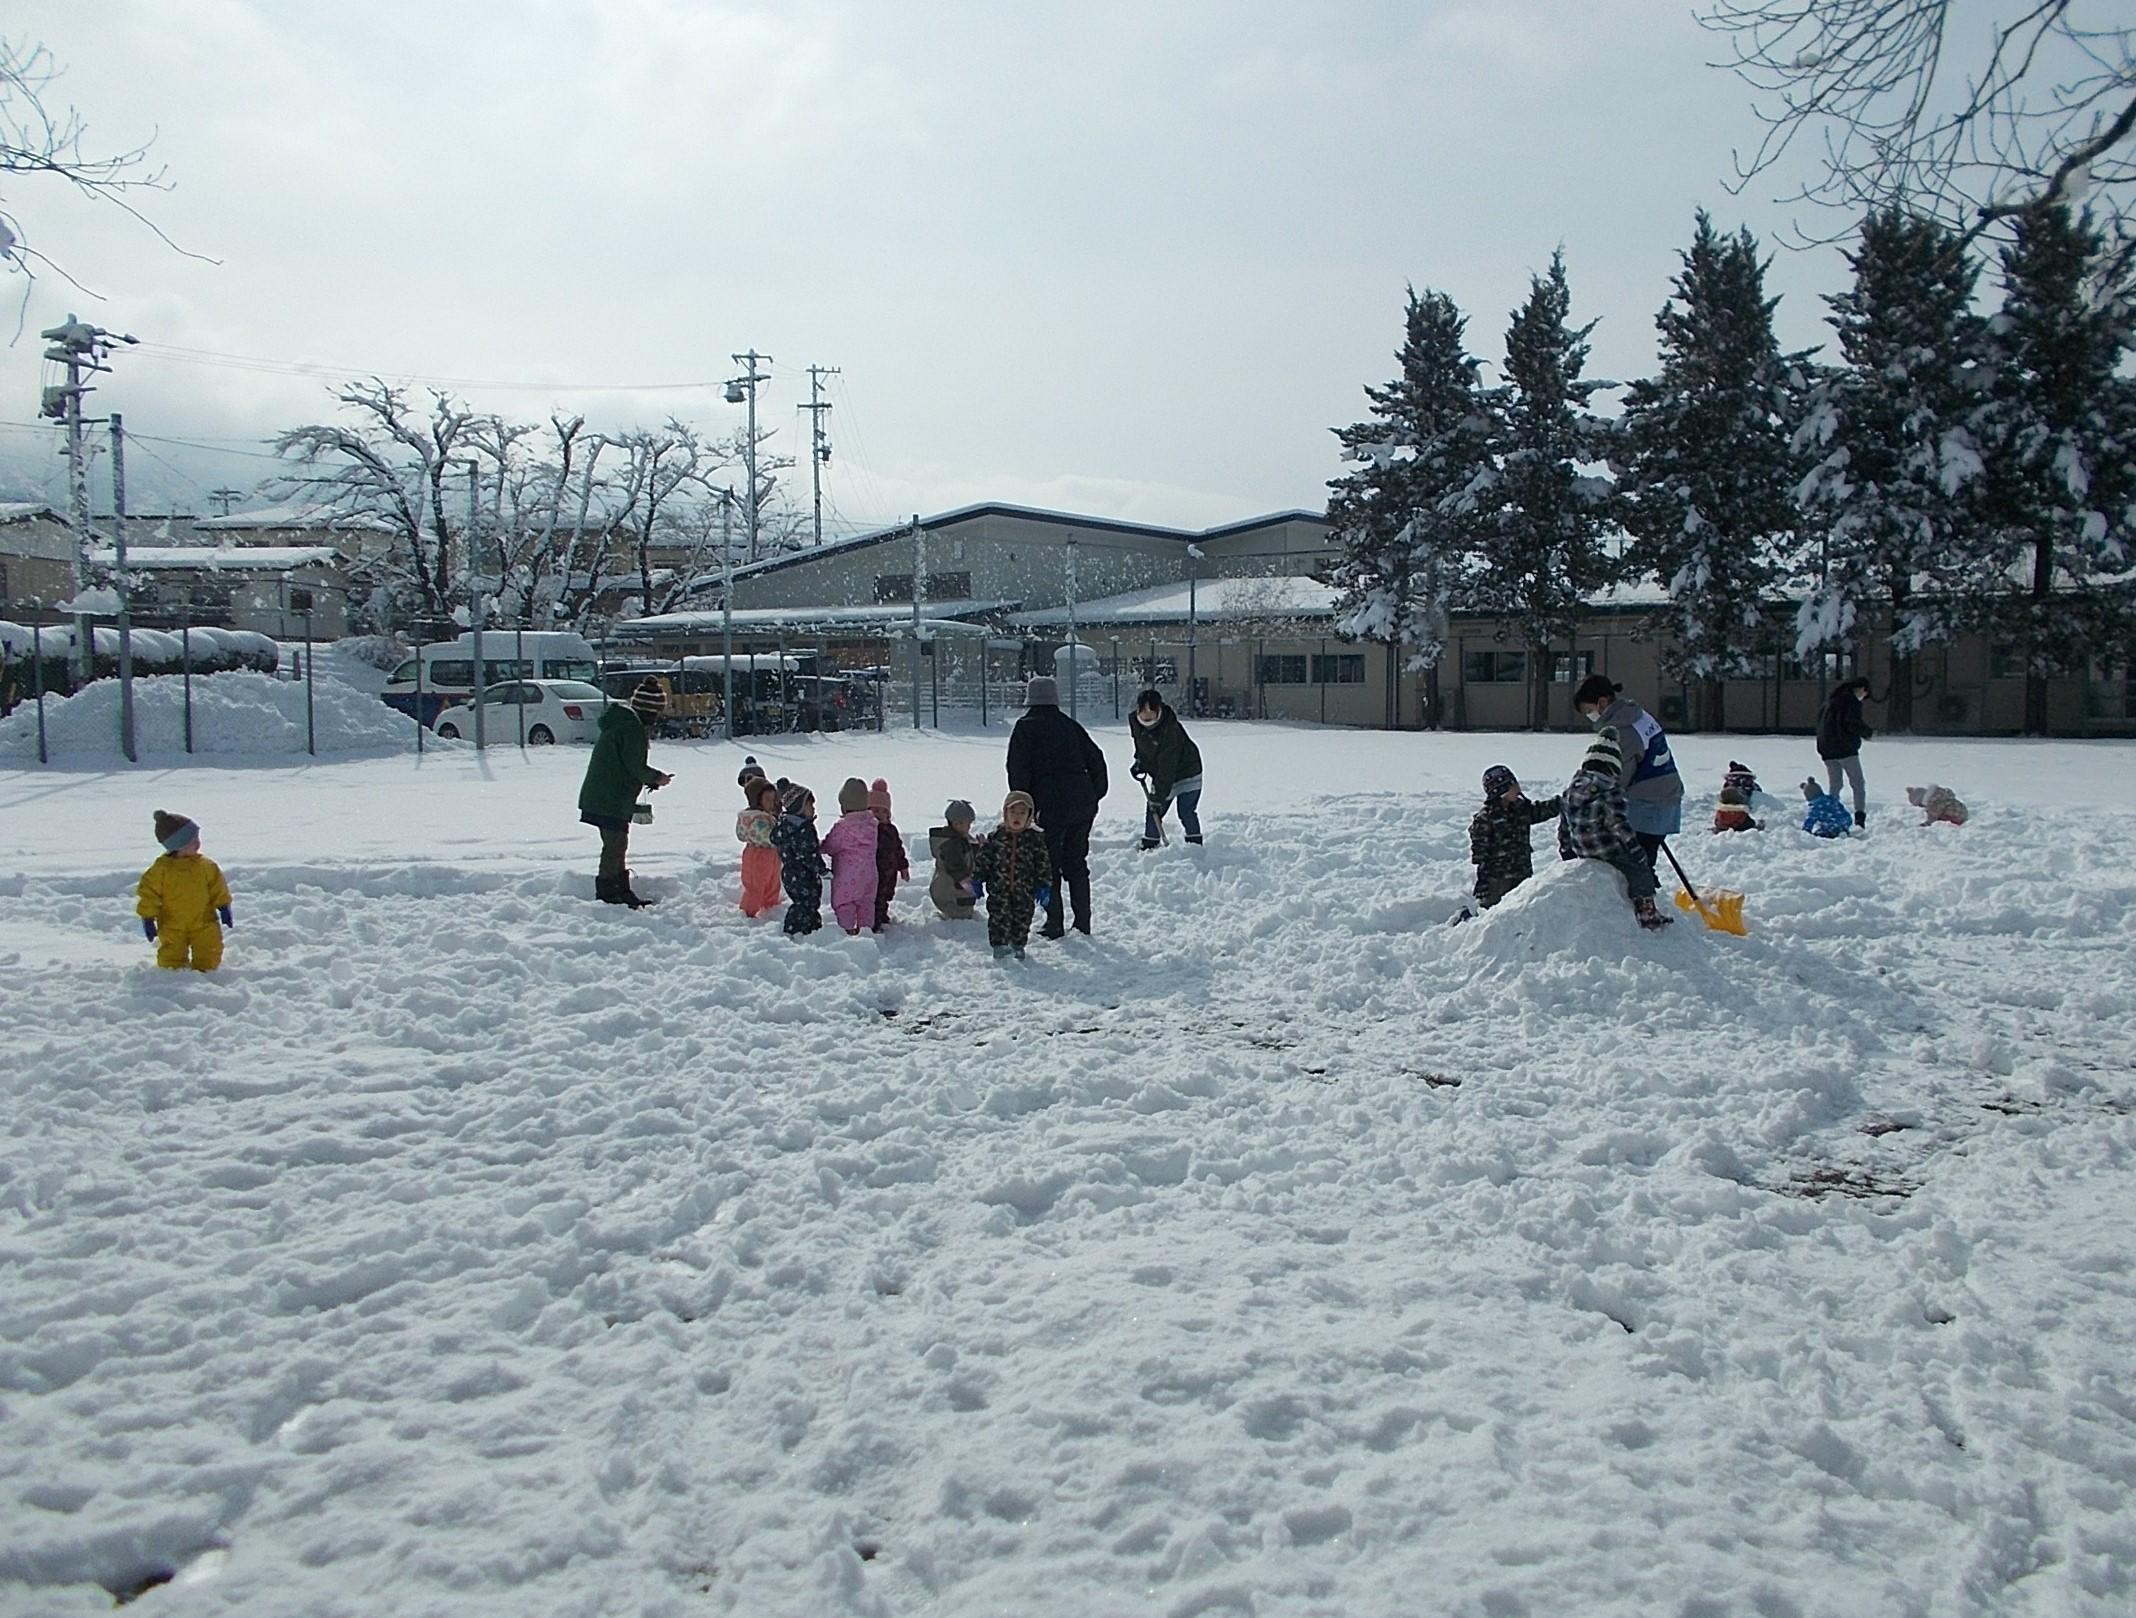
x=309, y=368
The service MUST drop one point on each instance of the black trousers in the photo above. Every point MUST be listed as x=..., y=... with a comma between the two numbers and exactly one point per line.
x=1650, y=847
x=1068, y=842
x=615, y=850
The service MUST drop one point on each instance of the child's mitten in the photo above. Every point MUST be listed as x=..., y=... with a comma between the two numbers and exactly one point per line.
x=1042, y=895
x=224, y=912
x=148, y=928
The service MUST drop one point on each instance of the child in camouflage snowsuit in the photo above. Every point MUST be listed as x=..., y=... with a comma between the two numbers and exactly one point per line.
x=1595, y=827
x=1017, y=871
x=801, y=863
x=1498, y=836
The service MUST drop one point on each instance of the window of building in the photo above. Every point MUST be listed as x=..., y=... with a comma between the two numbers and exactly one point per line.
x=1829, y=666
x=891, y=587
x=1568, y=668
x=1280, y=669
x=210, y=596
x=300, y=601
x=4, y=596
x=1339, y=668
x=2006, y=661
x=1494, y=668
x=1156, y=671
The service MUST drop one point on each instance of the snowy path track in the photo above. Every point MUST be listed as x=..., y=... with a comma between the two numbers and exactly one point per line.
x=467, y=1248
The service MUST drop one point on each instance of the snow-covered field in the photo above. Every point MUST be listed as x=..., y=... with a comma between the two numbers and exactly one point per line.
x=468, y=1248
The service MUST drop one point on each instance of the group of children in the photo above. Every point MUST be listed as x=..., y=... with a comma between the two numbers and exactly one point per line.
x=863, y=855
x=1592, y=824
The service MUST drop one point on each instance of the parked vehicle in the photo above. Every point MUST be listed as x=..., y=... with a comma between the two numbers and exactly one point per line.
x=554, y=710
x=443, y=673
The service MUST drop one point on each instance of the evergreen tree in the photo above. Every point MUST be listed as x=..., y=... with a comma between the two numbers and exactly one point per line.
x=1405, y=517
x=2063, y=447
x=1540, y=550
x=1705, y=473
x=1895, y=484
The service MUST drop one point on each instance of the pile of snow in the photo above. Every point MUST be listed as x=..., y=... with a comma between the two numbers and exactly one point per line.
x=252, y=715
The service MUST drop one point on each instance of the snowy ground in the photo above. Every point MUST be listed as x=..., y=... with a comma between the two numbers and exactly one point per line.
x=466, y=1248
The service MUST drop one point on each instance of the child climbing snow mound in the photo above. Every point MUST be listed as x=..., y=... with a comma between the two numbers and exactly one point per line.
x=1826, y=815
x=1499, y=845
x=1595, y=827
x=1938, y=804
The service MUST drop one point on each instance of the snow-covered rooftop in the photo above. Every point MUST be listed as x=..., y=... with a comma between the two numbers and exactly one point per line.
x=24, y=510
x=222, y=559
x=1214, y=601
x=942, y=616
x=296, y=514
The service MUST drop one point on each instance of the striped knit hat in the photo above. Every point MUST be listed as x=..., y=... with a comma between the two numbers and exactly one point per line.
x=649, y=699
x=794, y=797
x=1603, y=752
x=1497, y=782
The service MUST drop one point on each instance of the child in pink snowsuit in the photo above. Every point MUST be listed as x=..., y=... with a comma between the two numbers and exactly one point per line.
x=851, y=845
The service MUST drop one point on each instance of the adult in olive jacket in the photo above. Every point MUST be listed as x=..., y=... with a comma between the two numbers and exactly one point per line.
x=1169, y=766
x=1053, y=758
x=615, y=775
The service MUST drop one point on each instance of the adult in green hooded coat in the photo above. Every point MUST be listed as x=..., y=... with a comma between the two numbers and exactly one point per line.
x=1169, y=766
x=615, y=775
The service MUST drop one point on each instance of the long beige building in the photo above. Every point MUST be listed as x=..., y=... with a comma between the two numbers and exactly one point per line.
x=952, y=611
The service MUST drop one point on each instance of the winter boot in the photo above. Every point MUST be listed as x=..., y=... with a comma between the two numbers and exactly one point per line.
x=1019, y=952
x=625, y=896
x=606, y=889
x=1861, y=820
x=1001, y=952
x=1649, y=916
x=1194, y=837
x=1149, y=843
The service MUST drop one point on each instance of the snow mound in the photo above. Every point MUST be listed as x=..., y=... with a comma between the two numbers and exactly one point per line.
x=1566, y=944
x=242, y=715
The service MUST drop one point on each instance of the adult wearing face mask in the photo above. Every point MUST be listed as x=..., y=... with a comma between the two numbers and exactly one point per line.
x=1653, y=790
x=1168, y=765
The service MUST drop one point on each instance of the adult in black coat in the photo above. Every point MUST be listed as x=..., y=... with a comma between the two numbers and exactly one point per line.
x=1053, y=758
x=1841, y=730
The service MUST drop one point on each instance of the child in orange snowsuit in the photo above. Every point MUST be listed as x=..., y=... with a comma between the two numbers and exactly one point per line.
x=182, y=898
x=760, y=861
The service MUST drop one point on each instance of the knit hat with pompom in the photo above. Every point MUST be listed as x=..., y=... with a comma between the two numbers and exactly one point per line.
x=879, y=795
x=175, y=832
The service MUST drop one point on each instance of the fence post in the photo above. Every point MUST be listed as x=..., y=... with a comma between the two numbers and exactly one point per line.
x=519, y=660
x=185, y=662
x=311, y=721
x=37, y=673
x=419, y=691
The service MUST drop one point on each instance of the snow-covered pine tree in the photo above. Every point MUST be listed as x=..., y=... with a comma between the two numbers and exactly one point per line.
x=2062, y=431
x=1541, y=524
x=1405, y=518
x=1705, y=477
x=1892, y=495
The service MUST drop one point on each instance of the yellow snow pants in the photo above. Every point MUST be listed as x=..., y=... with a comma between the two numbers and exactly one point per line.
x=198, y=947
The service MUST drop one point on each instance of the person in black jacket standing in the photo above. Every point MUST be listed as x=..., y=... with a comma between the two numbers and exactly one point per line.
x=1053, y=758
x=1841, y=730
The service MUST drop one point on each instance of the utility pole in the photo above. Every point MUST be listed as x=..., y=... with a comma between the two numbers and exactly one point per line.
x=474, y=600
x=226, y=499
x=919, y=593
x=726, y=600
x=80, y=347
x=118, y=542
x=820, y=443
x=741, y=388
x=1074, y=646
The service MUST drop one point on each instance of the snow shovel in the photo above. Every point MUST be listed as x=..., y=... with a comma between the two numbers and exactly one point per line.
x=1721, y=910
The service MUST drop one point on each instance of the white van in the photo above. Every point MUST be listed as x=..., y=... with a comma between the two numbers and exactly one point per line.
x=444, y=671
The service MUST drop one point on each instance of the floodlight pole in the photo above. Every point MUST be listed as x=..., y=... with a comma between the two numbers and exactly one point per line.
x=474, y=598
x=726, y=600
x=118, y=542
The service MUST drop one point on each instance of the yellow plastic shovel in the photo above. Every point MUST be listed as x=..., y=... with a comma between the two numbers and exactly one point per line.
x=1722, y=908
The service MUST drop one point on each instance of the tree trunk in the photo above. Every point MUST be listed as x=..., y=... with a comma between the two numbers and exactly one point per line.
x=1713, y=704
x=1899, y=700
x=1539, y=687
x=1430, y=716
x=2035, y=678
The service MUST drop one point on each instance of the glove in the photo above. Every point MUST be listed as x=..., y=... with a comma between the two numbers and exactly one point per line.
x=973, y=886
x=224, y=912
x=1042, y=895
x=148, y=928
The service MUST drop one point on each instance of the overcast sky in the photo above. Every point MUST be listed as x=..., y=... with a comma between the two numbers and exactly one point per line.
x=1127, y=259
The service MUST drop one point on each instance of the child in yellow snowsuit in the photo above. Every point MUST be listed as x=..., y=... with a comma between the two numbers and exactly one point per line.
x=183, y=898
